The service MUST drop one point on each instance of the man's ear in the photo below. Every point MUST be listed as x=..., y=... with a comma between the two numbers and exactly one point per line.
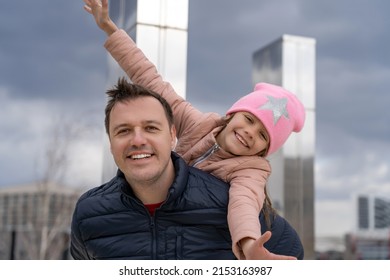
x=109, y=142
x=173, y=137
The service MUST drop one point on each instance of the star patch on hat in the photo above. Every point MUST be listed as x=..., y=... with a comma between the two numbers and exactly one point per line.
x=278, y=106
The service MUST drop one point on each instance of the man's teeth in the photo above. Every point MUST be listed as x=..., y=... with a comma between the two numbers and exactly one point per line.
x=140, y=156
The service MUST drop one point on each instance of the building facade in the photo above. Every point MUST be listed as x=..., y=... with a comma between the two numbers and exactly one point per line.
x=371, y=235
x=373, y=213
x=290, y=62
x=160, y=29
x=35, y=221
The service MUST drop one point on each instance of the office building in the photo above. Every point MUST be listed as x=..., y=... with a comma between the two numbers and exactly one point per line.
x=290, y=62
x=159, y=27
x=370, y=238
x=35, y=221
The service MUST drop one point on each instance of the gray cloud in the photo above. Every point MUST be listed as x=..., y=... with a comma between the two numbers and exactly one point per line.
x=49, y=50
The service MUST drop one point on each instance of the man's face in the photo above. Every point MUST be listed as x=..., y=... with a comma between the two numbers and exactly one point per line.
x=141, y=141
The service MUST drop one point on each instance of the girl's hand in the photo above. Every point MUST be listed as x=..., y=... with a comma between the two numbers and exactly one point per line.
x=99, y=10
x=255, y=250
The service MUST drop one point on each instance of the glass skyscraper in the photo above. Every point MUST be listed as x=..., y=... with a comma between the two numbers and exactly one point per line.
x=159, y=27
x=290, y=62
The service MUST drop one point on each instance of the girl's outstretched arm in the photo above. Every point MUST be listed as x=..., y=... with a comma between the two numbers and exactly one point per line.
x=255, y=250
x=99, y=10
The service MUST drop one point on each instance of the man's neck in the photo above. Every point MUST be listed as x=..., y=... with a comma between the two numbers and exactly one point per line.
x=154, y=191
x=150, y=194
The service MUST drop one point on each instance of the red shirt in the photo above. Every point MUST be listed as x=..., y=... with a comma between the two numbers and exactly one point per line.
x=153, y=207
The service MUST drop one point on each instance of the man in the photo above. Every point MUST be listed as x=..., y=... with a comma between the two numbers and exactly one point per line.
x=157, y=207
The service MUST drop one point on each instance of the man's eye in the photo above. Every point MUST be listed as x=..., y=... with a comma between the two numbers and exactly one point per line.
x=151, y=128
x=123, y=131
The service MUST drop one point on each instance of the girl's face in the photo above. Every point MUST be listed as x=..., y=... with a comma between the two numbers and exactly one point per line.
x=244, y=135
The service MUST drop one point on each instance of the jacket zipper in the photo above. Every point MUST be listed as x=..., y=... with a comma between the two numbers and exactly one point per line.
x=208, y=153
x=154, y=230
x=154, y=242
x=152, y=226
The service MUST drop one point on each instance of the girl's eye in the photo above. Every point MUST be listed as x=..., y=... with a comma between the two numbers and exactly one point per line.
x=263, y=136
x=249, y=119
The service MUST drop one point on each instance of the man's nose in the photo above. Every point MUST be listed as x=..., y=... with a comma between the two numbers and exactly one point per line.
x=138, y=137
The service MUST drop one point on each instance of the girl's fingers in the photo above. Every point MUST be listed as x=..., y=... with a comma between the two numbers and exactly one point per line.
x=98, y=3
x=88, y=9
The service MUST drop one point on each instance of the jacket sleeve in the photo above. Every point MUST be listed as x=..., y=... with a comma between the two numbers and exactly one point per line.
x=143, y=72
x=246, y=198
x=77, y=247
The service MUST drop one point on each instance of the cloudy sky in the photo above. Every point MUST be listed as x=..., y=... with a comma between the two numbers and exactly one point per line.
x=53, y=73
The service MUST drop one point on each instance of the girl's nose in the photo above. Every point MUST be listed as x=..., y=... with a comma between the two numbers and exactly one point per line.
x=249, y=132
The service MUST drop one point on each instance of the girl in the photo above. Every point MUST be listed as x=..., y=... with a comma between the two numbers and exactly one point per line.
x=232, y=148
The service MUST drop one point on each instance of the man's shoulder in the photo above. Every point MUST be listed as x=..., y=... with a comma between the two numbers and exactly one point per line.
x=96, y=201
x=207, y=179
x=200, y=191
x=109, y=188
x=192, y=175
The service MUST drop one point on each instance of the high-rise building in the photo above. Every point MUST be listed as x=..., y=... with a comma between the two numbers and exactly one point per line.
x=290, y=62
x=370, y=238
x=373, y=214
x=159, y=27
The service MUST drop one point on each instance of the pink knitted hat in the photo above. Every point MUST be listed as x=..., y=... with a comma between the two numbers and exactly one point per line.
x=279, y=111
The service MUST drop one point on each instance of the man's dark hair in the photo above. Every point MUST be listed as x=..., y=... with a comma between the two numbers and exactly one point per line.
x=124, y=91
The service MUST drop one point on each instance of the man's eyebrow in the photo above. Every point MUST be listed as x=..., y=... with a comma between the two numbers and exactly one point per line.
x=146, y=122
x=157, y=122
x=119, y=126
